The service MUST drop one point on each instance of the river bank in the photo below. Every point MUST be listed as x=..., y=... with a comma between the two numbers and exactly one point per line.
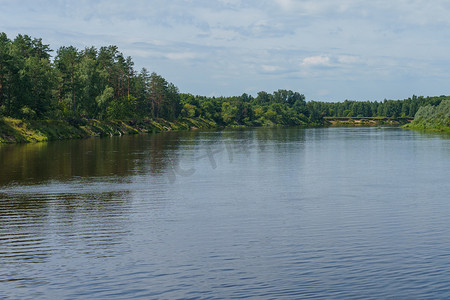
x=366, y=121
x=421, y=127
x=30, y=131
x=21, y=131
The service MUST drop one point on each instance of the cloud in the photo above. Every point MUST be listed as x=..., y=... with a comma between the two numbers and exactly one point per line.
x=181, y=55
x=315, y=7
x=321, y=60
x=349, y=59
x=271, y=69
x=285, y=4
x=226, y=46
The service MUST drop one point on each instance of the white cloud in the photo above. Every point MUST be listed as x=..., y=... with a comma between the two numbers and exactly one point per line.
x=244, y=43
x=285, y=4
x=181, y=55
x=270, y=69
x=321, y=60
x=349, y=59
x=308, y=7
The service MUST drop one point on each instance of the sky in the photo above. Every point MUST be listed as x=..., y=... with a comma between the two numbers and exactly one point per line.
x=328, y=50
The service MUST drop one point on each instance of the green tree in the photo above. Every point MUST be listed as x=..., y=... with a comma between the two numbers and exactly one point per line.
x=158, y=88
x=103, y=100
x=5, y=68
x=229, y=113
x=91, y=84
x=40, y=79
x=66, y=62
x=143, y=93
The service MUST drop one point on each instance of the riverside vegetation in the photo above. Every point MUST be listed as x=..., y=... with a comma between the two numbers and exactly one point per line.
x=436, y=118
x=91, y=92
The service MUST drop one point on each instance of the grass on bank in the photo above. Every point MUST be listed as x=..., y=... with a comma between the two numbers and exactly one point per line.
x=21, y=131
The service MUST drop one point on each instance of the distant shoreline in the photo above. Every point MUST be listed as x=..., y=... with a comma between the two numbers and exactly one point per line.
x=366, y=121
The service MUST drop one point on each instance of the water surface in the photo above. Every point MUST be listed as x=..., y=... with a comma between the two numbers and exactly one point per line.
x=262, y=213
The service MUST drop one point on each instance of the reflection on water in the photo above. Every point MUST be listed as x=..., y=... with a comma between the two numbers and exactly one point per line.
x=263, y=213
x=120, y=157
x=65, y=160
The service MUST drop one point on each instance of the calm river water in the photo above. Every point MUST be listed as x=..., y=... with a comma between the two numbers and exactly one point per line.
x=257, y=213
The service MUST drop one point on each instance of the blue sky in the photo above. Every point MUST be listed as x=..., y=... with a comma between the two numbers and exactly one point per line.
x=326, y=49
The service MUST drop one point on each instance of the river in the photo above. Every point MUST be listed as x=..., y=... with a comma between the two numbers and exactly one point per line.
x=255, y=213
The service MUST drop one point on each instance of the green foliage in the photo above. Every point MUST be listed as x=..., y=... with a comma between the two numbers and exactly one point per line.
x=164, y=98
x=101, y=84
x=229, y=113
x=280, y=108
x=121, y=109
x=188, y=111
x=103, y=99
x=433, y=117
x=27, y=113
x=348, y=113
x=87, y=83
x=387, y=108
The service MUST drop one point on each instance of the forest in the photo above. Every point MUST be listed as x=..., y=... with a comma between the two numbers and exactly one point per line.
x=37, y=83
x=433, y=117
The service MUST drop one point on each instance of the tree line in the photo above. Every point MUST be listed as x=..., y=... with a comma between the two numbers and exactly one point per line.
x=89, y=83
x=406, y=108
x=282, y=107
x=103, y=84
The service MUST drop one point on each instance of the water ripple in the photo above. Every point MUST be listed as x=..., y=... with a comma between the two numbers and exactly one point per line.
x=320, y=214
